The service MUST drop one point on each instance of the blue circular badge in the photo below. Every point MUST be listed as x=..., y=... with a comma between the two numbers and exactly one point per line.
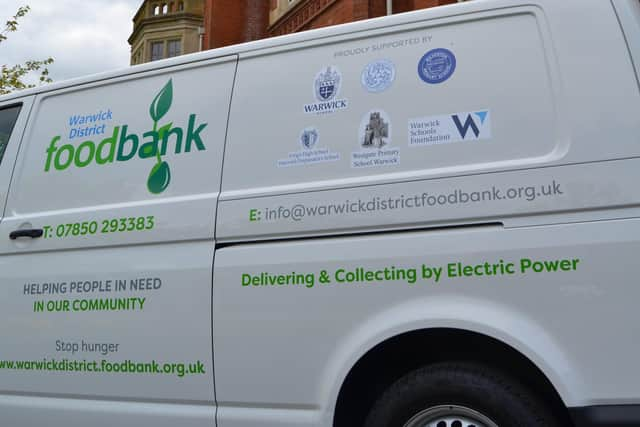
x=437, y=65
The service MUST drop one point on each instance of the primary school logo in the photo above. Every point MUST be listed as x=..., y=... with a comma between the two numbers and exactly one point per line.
x=375, y=130
x=374, y=139
x=124, y=145
x=326, y=88
x=437, y=66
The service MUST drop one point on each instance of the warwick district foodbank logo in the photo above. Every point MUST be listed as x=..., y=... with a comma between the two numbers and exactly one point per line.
x=326, y=88
x=124, y=145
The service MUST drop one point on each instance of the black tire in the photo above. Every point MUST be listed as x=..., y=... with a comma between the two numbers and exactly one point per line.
x=459, y=385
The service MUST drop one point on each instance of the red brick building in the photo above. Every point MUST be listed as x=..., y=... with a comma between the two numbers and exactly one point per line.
x=235, y=21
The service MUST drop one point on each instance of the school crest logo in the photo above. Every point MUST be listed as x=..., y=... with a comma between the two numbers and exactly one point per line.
x=309, y=138
x=327, y=84
x=309, y=151
x=326, y=88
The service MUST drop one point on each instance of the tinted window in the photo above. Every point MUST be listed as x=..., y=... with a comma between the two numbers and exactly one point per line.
x=157, y=50
x=174, y=48
x=8, y=118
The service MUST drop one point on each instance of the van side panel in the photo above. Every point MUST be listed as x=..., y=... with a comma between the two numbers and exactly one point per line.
x=113, y=303
x=291, y=323
x=479, y=92
x=38, y=411
x=493, y=113
x=628, y=12
x=528, y=95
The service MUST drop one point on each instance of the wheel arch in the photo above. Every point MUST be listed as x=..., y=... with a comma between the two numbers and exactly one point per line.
x=390, y=360
x=455, y=335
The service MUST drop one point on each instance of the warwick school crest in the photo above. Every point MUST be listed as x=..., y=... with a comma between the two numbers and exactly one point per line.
x=327, y=84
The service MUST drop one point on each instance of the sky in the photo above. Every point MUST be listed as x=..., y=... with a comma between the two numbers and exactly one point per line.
x=83, y=36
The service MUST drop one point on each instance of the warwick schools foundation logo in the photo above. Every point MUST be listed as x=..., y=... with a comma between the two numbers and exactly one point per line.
x=125, y=144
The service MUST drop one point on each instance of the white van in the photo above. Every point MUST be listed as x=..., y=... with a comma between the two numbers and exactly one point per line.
x=425, y=220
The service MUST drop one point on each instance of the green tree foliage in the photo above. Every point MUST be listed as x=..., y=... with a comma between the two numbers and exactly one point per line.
x=12, y=76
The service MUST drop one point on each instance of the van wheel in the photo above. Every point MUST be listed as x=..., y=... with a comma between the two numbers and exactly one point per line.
x=458, y=395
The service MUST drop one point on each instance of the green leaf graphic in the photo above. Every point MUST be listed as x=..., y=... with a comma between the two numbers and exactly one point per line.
x=162, y=102
x=148, y=150
x=163, y=129
x=159, y=178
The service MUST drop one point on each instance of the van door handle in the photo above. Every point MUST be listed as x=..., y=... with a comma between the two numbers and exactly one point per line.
x=28, y=232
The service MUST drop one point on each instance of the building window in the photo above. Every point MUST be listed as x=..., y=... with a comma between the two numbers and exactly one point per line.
x=279, y=8
x=180, y=6
x=165, y=9
x=174, y=48
x=157, y=50
x=156, y=10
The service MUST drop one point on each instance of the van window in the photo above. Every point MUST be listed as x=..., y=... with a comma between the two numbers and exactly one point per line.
x=8, y=117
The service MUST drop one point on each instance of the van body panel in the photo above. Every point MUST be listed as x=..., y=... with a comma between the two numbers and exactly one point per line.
x=115, y=181
x=470, y=90
x=628, y=12
x=341, y=319
x=484, y=198
x=570, y=127
x=35, y=411
x=114, y=300
x=178, y=311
